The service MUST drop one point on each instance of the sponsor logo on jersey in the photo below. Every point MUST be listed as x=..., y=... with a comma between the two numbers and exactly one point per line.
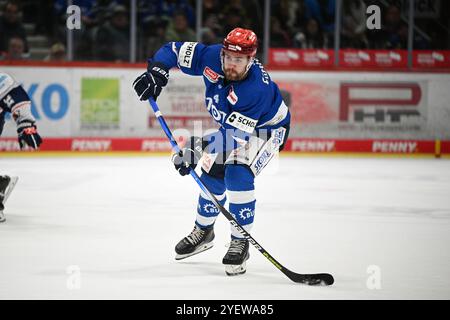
x=232, y=97
x=186, y=54
x=208, y=161
x=211, y=75
x=218, y=115
x=242, y=122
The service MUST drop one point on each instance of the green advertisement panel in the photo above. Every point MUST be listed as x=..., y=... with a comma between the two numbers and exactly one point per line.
x=100, y=106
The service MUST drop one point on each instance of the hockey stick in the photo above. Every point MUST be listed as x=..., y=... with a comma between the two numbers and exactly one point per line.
x=309, y=279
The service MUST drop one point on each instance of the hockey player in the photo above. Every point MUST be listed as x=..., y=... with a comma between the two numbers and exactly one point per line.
x=15, y=100
x=254, y=125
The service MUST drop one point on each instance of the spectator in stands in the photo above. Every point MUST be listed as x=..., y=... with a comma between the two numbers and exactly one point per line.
x=323, y=12
x=179, y=30
x=395, y=30
x=156, y=38
x=11, y=26
x=312, y=37
x=112, y=39
x=211, y=16
x=286, y=11
x=279, y=38
x=57, y=53
x=234, y=19
x=234, y=15
x=255, y=17
x=16, y=49
x=353, y=34
x=208, y=36
x=169, y=8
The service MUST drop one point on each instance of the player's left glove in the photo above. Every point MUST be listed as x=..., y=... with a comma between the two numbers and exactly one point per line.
x=28, y=135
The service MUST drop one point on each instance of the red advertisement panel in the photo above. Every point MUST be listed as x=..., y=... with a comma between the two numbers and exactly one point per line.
x=360, y=146
x=373, y=58
x=431, y=59
x=300, y=58
x=300, y=145
x=100, y=144
x=445, y=147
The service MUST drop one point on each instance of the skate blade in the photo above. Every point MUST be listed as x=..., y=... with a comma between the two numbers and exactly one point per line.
x=234, y=270
x=9, y=188
x=202, y=248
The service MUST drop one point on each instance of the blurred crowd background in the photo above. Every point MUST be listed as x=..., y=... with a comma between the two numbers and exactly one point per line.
x=36, y=30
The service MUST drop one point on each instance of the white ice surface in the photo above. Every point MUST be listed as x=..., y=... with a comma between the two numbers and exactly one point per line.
x=118, y=219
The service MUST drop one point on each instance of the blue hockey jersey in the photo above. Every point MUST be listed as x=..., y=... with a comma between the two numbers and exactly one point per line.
x=243, y=107
x=12, y=95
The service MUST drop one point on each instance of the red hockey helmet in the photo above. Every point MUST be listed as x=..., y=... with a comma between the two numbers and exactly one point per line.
x=241, y=40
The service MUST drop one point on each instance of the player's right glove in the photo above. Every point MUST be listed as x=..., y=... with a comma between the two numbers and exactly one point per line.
x=150, y=83
x=188, y=157
x=186, y=160
x=26, y=127
x=28, y=135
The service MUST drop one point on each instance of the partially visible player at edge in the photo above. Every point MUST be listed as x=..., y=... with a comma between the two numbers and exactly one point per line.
x=254, y=125
x=15, y=100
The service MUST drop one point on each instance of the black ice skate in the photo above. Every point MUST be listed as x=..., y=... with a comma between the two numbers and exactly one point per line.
x=6, y=186
x=236, y=256
x=197, y=241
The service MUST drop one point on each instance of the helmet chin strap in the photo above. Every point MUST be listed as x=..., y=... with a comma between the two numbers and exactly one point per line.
x=249, y=64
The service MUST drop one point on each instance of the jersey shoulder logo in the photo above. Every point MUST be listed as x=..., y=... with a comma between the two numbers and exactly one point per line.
x=211, y=75
x=241, y=122
x=186, y=54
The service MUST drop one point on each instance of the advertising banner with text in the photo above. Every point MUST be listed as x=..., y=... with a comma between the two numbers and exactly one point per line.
x=93, y=103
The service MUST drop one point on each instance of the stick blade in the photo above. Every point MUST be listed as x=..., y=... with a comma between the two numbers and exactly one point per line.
x=316, y=279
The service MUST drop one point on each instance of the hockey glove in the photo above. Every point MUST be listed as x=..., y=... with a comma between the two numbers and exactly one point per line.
x=189, y=156
x=28, y=135
x=186, y=160
x=26, y=128
x=150, y=83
